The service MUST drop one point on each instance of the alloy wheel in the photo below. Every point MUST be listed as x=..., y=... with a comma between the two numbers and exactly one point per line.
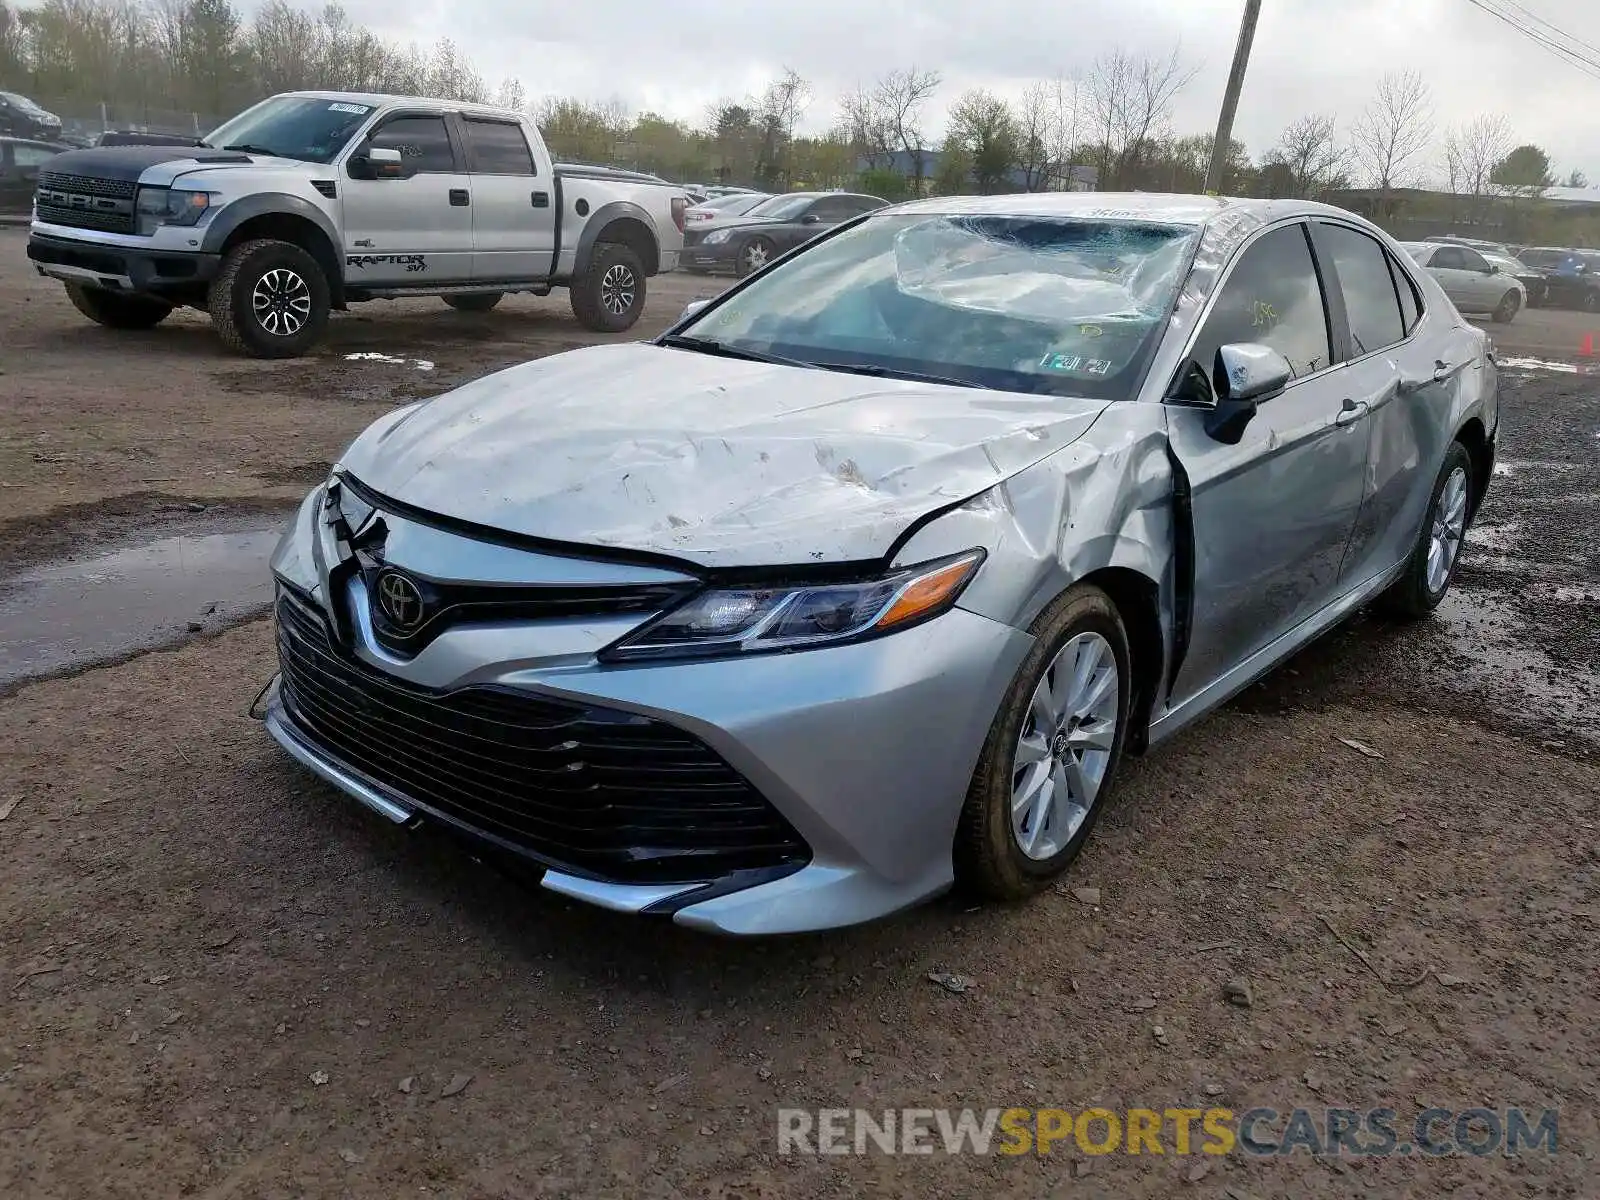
x=618, y=289
x=1065, y=746
x=281, y=301
x=1448, y=528
x=755, y=256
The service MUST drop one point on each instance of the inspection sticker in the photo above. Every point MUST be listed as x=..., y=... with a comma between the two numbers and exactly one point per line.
x=360, y=110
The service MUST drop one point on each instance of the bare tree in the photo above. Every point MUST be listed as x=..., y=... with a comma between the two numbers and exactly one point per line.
x=901, y=100
x=777, y=111
x=1034, y=120
x=1472, y=151
x=1066, y=125
x=1391, y=134
x=1309, y=150
x=1131, y=99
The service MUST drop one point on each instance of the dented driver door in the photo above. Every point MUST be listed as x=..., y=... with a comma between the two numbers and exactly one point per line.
x=414, y=230
x=1272, y=513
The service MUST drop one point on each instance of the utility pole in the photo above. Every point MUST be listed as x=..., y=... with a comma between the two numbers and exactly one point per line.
x=1230, y=98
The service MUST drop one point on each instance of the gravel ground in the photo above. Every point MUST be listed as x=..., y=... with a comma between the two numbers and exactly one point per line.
x=218, y=979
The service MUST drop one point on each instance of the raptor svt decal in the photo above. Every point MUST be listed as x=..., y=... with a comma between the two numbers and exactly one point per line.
x=411, y=262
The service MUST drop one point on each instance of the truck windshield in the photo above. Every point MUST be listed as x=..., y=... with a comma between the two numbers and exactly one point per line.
x=1015, y=303
x=299, y=127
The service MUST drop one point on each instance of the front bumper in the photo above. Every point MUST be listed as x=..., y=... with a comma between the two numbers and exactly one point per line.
x=708, y=257
x=866, y=750
x=119, y=267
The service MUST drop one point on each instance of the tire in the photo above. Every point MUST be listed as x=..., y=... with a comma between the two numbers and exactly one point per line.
x=609, y=296
x=116, y=311
x=1506, y=311
x=992, y=856
x=752, y=256
x=270, y=300
x=1418, y=592
x=480, y=303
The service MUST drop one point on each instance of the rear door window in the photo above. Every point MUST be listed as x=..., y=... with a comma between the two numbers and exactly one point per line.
x=498, y=148
x=1370, y=300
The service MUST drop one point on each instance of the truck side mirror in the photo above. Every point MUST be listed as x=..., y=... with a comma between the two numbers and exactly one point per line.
x=376, y=162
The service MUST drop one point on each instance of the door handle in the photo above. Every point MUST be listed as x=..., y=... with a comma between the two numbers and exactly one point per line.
x=541, y=199
x=1442, y=370
x=1352, y=412
x=460, y=197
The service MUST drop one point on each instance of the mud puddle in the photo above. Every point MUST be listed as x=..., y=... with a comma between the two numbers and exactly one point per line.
x=75, y=613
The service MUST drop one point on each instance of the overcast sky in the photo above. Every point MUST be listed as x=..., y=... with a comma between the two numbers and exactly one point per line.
x=676, y=56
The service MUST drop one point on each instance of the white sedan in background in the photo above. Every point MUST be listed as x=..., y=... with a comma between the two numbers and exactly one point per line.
x=1472, y=282
x=733, y=204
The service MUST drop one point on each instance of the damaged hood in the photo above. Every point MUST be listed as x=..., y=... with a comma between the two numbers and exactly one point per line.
x=714, y=461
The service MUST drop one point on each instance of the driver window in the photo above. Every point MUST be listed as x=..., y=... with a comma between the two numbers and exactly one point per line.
x=1473, y=261
x=1271, y=296
x=423, y=143
x=1448, y=258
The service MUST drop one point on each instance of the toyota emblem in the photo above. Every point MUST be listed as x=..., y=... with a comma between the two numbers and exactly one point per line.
x=400, y=600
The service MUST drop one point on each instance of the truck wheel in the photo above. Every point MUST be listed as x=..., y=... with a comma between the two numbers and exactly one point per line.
x=270, y=300
x=116, y=311
x=609, y=296
x=482, y=302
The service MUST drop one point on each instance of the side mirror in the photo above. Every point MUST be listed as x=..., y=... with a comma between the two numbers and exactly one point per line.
x=375, y=162
x=691, y=308
x=1246, y=375
x=811, y=219
x=1494, y=268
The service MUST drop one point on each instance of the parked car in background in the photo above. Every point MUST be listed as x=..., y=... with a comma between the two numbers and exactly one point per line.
x=862, y=579
x=20, y=160
x=730, y=204
x=1476, y=243
x=21, y=117
x=135, y=137
x=1473, y=284
x=745, y=244
x=1572, y=277
x=312, y=201
x=1534, y=284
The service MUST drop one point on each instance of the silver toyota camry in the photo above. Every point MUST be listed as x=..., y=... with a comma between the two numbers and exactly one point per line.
x=860, y=581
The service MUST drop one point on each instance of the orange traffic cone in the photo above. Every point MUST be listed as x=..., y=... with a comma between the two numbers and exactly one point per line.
x=1586, y=347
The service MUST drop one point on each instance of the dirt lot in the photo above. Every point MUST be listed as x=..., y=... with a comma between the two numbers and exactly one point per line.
x=218, y=979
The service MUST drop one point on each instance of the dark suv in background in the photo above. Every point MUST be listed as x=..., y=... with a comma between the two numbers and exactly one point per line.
x=21, y=117
x=1572, y=277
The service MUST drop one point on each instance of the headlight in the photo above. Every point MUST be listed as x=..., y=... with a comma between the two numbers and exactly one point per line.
x=717, y=236
x=755, y=620
x=170, y=206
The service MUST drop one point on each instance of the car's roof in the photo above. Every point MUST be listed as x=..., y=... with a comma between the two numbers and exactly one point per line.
x=1135, y=206
x=382, y=100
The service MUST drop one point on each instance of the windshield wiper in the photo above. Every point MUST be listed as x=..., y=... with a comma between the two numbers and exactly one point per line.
x=247, y=148
x=680, y=341
x=895, y=373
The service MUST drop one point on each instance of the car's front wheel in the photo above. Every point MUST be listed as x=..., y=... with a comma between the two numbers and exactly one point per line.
x=1052, y=752
x=269, y=300
x=116, y=311
x=1506, y=311
x=753, y=255
x=1437, y=554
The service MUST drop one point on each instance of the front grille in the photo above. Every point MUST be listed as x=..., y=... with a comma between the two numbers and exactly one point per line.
x=83, y=218
x=87, y=185
x=608, y=794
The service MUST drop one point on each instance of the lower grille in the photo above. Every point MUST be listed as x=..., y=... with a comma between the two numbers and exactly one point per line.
x=608, y=794
x=85, y=218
